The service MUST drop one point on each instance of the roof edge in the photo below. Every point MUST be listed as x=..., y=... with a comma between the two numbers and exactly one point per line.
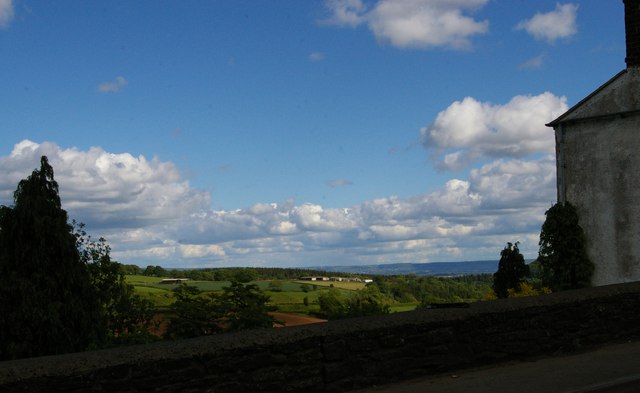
x=561, y=118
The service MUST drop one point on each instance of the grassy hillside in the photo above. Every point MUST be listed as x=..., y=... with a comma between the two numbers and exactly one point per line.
x=402, y=293
x=290, y=296
x=350, y=286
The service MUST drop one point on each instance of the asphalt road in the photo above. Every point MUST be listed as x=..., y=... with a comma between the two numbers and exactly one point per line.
x=609, y=369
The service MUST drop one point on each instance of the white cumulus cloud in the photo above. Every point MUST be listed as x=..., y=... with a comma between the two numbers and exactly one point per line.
x=6, y=13
x=470, y=130
x=105, y=189
x=552, y=25
x=199, y=250
x=512, y=183
x=413, y=23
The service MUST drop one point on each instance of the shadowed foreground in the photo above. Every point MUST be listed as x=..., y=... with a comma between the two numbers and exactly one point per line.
x=349, y=354
x=610, y=369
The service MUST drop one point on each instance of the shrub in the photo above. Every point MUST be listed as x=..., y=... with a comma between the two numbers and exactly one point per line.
x=562, y=256
x=511, y=271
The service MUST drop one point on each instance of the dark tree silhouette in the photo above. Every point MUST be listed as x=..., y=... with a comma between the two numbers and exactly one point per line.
x=244, y=306
x=239, y=306
x=563, y=257
x=511, y=271
x=47, y=303
x=192, y=314
x=128, y=317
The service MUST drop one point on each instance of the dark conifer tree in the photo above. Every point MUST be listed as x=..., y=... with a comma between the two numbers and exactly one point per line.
x=563, y=255
x=47, y=304
x=511, y=271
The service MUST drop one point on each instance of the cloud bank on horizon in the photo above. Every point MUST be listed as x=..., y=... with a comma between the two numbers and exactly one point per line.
x=151, y=214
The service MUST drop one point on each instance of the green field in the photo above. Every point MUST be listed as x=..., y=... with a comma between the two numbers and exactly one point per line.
x=154, y=282
x=351, y=286
x=401, y=294
x=159, y=297
x=290, y=296
x=402, y=307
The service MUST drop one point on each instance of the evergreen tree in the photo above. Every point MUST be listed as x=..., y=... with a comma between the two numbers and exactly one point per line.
x=47, y=303
x=563, y=257
x=511, y=271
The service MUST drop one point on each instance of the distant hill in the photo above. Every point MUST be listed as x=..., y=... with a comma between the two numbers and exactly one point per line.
x=420, y=269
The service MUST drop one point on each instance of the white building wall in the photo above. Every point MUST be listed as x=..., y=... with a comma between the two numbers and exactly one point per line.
x=602, y=179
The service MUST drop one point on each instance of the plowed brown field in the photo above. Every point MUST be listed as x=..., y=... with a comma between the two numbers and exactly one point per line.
x=295, y=319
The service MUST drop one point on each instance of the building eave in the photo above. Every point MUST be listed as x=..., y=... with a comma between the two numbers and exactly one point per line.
x=562, y=118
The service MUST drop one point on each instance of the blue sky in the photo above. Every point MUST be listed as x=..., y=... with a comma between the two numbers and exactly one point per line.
x=298, y=133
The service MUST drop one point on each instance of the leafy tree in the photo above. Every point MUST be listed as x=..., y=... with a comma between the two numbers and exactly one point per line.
x=562, y=255
x=245, y=275
x=155, y=271
x=331, y=304
x=367, y=301
x=511, y=271
x=128, y=317
x=192, y=314
x=244, y=306
x=131, y=269
x=238, y=307
x=432, y=290
x=47, y=302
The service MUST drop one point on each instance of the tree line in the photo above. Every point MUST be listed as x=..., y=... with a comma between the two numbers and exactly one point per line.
x=227, y=273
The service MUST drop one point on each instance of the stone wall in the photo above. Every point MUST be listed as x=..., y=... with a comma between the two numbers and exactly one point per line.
x=346, y=354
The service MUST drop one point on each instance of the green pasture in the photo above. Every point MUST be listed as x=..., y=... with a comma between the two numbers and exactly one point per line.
x=141, y=280
x=290, y=297
x=154, y=282
x=209, y=286
x=348, y=285
x=278, y=298
x=402, y=307
x=161, y=298
x=299, y=308
x=287, y=286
